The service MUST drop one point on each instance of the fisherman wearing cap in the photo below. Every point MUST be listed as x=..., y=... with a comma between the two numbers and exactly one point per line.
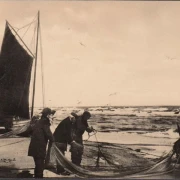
x=41, y=133
x=81, y=125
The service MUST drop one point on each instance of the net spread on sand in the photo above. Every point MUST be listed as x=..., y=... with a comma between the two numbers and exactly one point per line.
x=114, y=161
x=105, y=160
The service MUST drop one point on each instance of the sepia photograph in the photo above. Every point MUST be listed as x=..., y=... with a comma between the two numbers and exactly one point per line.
x=90, y=89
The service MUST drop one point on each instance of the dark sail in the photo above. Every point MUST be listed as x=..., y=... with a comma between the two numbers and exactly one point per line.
x=15, y=74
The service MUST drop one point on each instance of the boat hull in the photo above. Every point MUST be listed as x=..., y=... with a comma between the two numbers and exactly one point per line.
x=6, y=122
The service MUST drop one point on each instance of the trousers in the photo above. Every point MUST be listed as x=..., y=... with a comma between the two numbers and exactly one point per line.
x=39, y=167
x=76, y=153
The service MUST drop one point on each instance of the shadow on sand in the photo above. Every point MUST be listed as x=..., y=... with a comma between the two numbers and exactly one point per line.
x=13, y=172
x=24, y=174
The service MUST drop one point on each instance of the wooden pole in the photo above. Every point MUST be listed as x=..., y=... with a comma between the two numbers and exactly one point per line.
x=34, y=84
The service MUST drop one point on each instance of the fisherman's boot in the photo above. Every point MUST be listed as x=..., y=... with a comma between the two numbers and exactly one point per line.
x=76, y=156
x=76, y=160
x=60, y=169
x=65, y=173
x=39, y=168
x=35, y=173
x=39, y=175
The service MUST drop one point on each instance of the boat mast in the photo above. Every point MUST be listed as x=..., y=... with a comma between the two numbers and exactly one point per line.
x=34, y=84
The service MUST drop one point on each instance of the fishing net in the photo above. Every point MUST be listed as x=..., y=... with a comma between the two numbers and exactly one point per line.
x=111, y=160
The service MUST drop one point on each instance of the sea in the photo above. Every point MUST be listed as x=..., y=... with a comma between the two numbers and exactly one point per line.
x=152, y=129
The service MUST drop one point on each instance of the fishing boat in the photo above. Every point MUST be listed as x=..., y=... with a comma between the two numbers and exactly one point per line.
x=16, y=62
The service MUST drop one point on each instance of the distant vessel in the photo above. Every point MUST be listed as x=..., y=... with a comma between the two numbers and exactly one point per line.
x=176, y=111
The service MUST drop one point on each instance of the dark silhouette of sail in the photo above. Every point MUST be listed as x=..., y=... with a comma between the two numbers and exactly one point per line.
x=15, y=74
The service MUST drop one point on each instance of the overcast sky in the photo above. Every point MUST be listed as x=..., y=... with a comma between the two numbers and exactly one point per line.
x=98, y=53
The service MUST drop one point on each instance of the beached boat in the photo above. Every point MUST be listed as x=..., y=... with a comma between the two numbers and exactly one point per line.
x=16, y=61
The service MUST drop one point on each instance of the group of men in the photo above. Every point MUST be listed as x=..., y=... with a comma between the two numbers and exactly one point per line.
x=69, y=131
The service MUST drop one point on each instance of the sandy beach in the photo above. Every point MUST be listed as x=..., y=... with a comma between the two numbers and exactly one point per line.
x=147, y=135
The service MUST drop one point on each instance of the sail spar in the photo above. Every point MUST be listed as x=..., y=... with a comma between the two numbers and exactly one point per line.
x=15, y=75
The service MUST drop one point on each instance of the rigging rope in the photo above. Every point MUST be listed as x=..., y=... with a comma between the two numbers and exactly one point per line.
x=32, y=44
x=35, y=18
x=26, y=30
x=24, y=26
x=42, y=68
x=27, y=25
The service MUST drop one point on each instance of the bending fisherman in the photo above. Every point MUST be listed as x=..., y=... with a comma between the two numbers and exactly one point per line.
x=63, y=136
x=81, y=125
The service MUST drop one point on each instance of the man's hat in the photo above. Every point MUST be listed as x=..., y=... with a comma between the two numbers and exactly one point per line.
x=74, y=114
x=87, y=113
x=47, y=111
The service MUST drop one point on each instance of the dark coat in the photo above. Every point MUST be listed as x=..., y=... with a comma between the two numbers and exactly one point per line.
x=62, y=133
x=66, y=132
x=81, y=126
x=41, y=133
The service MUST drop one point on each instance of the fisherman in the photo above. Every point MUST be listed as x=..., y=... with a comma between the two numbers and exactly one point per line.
x=63, y=136
x=41, y=133
x=81, y=125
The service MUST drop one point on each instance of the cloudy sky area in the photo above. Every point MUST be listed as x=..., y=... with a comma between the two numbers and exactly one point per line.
x=117, y=53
